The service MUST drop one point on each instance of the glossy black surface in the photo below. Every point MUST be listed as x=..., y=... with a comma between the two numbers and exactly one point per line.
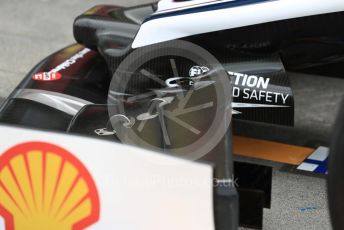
x=110, y=29
x=311, y=44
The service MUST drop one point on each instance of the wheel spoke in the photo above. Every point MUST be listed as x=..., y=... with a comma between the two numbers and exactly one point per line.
x=170, y=116
x=174, y=68
x=153, y=77
x=179, y=111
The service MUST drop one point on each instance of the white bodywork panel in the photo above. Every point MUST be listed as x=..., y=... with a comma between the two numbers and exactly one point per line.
x=159, y=28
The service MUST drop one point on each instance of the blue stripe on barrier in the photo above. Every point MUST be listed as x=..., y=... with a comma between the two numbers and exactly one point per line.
x=322, y=169
x=315, y=166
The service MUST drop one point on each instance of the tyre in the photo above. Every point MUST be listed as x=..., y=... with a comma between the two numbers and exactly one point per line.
x=336, y=173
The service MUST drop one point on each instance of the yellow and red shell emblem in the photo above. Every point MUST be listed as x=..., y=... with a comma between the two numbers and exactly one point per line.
x=43, y=186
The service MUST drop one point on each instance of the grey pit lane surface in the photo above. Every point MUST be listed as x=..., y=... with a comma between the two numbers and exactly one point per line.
x=31, y=30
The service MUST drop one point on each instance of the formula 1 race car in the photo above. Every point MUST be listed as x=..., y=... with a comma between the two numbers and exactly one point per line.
x=181, y=77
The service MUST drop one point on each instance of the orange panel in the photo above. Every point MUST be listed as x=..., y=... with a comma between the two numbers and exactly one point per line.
x=271, y=151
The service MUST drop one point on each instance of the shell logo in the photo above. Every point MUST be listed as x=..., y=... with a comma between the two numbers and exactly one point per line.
x=43, y=186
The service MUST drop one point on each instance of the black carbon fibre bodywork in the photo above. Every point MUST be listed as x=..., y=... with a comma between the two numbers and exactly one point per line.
x=312, y=44
x=89, y=79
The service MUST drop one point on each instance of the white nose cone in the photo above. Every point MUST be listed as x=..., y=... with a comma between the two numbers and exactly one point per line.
x=175, y=20
x=170, y=5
